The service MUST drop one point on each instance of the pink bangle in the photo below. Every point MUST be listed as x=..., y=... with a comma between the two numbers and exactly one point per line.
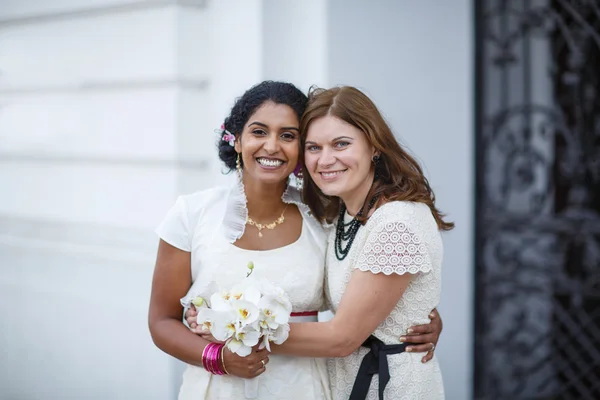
x=204, y=363
x=211, y=357
x=218, y=361
x=206, y=357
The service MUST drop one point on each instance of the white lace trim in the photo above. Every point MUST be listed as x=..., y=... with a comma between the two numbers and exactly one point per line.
x=236, y=213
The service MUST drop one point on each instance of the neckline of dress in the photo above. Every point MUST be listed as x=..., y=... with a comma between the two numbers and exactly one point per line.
x=293, y=244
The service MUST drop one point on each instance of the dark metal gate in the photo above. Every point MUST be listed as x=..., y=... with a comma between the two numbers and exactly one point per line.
x=538, y=199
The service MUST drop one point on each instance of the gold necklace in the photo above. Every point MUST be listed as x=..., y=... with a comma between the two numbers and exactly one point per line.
x=272, y=225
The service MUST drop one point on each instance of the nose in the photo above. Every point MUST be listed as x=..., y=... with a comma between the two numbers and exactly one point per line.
x=326, y=158
x=271, y=144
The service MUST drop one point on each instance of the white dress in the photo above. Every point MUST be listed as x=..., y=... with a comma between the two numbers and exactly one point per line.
x=399, y=238
x=207, y=224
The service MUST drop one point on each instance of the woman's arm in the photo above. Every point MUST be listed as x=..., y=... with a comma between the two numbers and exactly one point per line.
x=384, y=268
x=172, y=279
x=369, y=298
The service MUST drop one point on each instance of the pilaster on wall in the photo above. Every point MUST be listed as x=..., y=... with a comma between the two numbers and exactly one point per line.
x=101, y=103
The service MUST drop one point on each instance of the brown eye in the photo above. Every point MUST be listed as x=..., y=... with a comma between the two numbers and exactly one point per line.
x=288, y=136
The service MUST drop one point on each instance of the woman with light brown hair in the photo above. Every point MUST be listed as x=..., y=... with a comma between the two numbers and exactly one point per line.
x=384, y=256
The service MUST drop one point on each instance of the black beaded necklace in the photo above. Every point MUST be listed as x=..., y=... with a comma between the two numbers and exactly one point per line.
x=342, y=235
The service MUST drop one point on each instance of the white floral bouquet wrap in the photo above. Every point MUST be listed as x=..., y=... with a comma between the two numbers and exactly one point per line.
x=251, y=312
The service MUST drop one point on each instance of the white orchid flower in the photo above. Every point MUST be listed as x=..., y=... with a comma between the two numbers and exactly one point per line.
x=264, y=340
x=220, y=301
x=224, y=324
x=280, y=334
x=205, y=318
x=277, y=336
x=273, y=312
x=248, y=290
x=243, y=341
x=246, y=312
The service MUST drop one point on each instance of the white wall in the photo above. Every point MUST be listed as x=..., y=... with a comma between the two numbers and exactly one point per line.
x=295, y=42
x=415, y=61
x=107, y=112
x=94, y=146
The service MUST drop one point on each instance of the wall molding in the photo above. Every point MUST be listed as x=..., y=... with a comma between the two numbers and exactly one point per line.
x=130, y=162
x=105, y=86
x=88, y=12
x=100, y=241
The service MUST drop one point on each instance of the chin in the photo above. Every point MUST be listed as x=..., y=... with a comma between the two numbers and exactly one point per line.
x=330, y=190
x=269, y=177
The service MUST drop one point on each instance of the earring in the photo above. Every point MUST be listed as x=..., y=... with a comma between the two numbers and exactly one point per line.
x=375, y=160
x=299, y=179
x=299, y=176
x=238, y=165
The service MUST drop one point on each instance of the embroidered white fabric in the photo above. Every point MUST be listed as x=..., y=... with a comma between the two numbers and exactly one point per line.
x=207, y=223
x=399, y=238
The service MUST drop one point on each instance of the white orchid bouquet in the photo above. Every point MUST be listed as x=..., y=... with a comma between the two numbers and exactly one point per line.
x=251, y=312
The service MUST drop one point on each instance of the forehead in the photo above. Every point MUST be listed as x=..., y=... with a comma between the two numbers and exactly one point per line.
x=272, y=114
x=330, y=127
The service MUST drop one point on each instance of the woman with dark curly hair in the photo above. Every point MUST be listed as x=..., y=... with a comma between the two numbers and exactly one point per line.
x=209, y=236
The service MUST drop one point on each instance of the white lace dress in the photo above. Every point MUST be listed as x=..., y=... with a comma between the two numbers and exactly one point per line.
x=399, y=238
x=207, y=224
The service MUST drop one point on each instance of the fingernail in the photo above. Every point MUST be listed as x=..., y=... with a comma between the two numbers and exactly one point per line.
x=403, y=339
x=431, y=315
x=423, y=361
x=409, y=330
x=409, y=349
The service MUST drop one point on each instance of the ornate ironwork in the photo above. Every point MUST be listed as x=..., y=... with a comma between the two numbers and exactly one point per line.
x=538, y=199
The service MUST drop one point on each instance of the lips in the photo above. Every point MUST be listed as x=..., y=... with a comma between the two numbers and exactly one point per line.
x=269, y=162
x=331, y=175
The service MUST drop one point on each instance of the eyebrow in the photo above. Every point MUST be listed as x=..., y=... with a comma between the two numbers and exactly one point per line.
x=333, y=140
x=284, y=128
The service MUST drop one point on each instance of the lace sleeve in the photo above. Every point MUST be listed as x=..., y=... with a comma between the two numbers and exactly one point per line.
x=394, y=247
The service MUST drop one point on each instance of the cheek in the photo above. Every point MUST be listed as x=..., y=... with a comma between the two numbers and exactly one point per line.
x=292, y=153
x=310, y=160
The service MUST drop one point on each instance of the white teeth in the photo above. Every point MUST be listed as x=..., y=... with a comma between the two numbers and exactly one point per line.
x=330, y=174
x=269, y=163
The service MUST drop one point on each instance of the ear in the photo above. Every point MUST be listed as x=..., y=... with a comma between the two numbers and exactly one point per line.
x=237, y=145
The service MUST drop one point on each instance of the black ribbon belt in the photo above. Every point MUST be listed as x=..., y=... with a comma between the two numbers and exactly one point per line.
x=374, y=362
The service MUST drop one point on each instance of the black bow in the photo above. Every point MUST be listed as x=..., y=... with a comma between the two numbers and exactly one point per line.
x=374, y=362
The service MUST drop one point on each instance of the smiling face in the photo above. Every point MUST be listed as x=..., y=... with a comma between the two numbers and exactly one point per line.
x=269, y=143
x=338, y=158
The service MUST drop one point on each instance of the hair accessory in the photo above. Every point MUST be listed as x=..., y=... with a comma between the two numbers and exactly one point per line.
x=228, y=136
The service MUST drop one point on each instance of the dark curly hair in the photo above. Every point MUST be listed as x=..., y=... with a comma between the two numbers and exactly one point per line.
x=245, y=106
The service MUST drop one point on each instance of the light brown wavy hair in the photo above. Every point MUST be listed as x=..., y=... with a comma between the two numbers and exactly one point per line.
x=398, y=176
